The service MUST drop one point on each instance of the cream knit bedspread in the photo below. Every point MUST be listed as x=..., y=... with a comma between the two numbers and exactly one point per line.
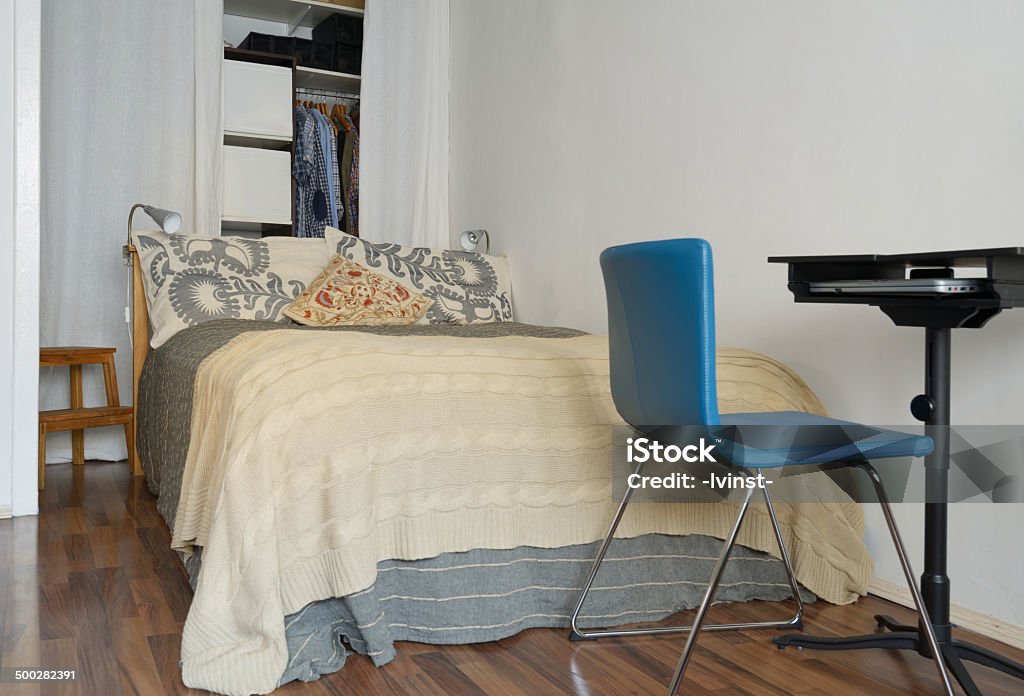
x=315, y=455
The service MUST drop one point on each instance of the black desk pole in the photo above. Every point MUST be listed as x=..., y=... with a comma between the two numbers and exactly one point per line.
x=934, y=580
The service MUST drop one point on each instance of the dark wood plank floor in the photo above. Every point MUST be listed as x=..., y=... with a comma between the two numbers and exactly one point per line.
x=92, y=584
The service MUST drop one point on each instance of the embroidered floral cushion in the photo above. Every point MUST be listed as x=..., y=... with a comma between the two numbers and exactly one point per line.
x=465, y=287
x=191, y=279
x=349, y=294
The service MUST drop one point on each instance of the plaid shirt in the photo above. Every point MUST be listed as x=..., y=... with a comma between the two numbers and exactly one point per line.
x=329, y=144
x=317, y=184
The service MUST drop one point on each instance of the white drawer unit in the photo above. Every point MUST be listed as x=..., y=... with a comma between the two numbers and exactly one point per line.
x=257, y=100
x=257, y=186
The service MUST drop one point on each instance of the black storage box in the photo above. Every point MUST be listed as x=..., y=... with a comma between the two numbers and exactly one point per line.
x=314, y=55
x=268, y=43
x=347, y=59
x=340, y=29
x=308, y=53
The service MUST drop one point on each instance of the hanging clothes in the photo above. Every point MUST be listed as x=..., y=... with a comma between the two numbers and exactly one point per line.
x=350, y=168
x=315, y=169
x=338, y=120
x=329, y=145
x=346, y=139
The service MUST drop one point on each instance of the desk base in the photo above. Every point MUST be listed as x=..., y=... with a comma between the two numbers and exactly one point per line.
x=903, y=637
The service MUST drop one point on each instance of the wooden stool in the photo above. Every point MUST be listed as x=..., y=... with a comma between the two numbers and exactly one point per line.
x=78, y=417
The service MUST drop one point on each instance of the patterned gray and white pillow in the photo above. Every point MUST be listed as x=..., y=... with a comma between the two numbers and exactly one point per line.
x=191, y=279
x=466, y=287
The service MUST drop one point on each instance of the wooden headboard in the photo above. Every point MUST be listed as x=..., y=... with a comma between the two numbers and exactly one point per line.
x=140, y=331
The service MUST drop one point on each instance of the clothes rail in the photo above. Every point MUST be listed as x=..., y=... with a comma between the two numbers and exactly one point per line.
x=326, y=93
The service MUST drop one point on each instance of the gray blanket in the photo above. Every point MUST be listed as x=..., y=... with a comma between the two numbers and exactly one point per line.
x=475, y=596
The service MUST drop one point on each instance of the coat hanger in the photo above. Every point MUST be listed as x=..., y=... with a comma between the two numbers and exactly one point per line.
x=338, y=117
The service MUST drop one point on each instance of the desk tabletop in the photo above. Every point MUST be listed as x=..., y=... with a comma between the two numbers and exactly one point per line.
x=1003, y=270
x=960, y=257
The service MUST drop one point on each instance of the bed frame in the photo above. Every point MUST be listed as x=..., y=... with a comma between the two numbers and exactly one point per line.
x=140, y=337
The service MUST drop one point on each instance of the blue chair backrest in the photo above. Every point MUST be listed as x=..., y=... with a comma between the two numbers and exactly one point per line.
x=661, y=332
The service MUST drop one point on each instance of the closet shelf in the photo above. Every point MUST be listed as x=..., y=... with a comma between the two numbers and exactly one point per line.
x=268, y=142
x=252, y=225
x=314, y=78
x=294, y=13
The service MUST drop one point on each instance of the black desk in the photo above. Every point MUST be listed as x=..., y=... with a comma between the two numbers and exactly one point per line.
x=937, y=315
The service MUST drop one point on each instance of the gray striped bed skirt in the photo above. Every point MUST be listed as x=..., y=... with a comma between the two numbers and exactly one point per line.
x=486, y=595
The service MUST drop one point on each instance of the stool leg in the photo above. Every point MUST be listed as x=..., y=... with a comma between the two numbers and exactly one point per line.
x=42, y=456
x=110, y=381
x=113, y=399
x=77, y=436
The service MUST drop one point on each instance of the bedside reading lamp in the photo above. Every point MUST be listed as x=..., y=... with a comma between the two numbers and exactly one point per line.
x=470, y=240
x=169, y=222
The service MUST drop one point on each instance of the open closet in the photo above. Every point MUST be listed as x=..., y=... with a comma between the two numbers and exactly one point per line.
x=291, y=85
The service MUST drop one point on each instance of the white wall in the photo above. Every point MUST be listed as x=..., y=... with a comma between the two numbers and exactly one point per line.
x=6, y=252
x=19, y=254
x=768, y=128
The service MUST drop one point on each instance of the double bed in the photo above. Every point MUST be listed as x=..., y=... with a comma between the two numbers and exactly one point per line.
x=336, y=490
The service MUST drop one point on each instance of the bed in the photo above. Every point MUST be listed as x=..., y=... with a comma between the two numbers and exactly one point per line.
x=338, y=490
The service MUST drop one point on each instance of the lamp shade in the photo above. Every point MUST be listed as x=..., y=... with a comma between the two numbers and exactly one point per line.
x=470, y=240
x=168, y=220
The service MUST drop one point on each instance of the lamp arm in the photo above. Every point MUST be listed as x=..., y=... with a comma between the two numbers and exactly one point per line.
x=131, y=214
x=128, y=243
x=128, y=290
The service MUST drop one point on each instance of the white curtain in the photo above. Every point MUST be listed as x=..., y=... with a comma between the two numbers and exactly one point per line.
x=130, y=113
x=403, y=137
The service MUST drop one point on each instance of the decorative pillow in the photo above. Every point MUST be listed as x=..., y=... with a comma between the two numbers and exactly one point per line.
x=349, y=294
x=466, y=287
x=191, y=279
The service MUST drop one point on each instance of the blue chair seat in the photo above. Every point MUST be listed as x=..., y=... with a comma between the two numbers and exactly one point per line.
x=788, y=438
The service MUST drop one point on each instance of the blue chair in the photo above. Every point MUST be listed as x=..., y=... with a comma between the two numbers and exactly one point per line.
x=661, y=335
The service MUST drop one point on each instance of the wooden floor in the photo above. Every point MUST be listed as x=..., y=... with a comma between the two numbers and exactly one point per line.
x=91, y=584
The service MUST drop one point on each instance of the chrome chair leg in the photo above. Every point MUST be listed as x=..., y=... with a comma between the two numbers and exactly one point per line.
x=922, y=612
x=796, y=622
x=575, y=633
x=709, y=595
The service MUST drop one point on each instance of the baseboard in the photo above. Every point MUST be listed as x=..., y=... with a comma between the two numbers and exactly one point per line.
x=5, y=512
x=987, y=626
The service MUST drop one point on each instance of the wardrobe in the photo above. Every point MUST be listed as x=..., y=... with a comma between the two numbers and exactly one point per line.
x=262, y=86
